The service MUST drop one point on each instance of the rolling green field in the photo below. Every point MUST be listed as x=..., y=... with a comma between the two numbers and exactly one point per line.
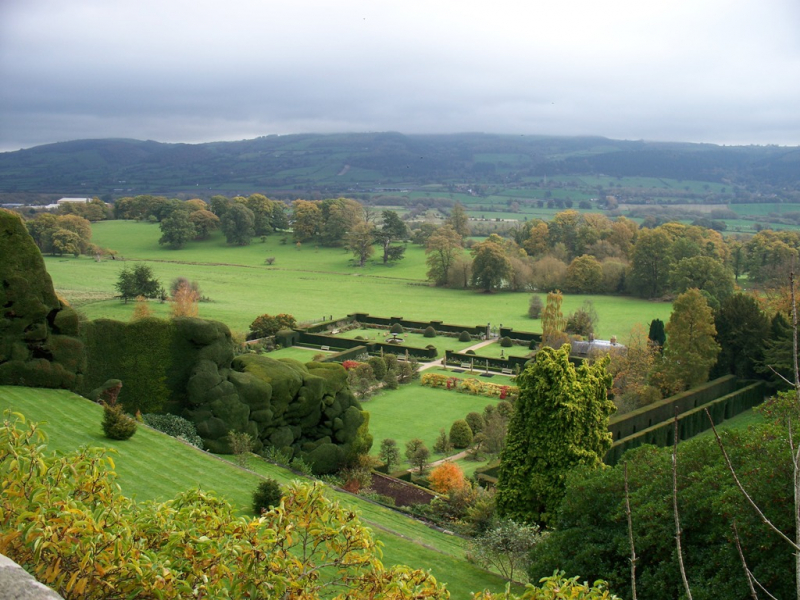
x=154, y=466
x=309, y=283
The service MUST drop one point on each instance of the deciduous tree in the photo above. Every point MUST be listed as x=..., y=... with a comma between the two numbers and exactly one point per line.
x=360, y=241
x=490, y=266
x=238, y=224
x=691, y=348
x=447, y=476
x=177, y=229
x=389, y=453
x=441, y=249
x=417, y=454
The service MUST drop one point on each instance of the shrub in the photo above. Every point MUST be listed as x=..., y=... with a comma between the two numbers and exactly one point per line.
x=446, y=477
x=430, y=347
x=396, y=328
x=442, y=444
x=429, y=332
x=270, y=260
x=464, y=336
x=241, y=445
x=475, y=422
x=176, y=426
x=267, y=325
x=460, y=434
x=472, y=352
x=267, y=494
x=390, y=380
x=583, y=320
x=506, y=342
x=116, y=424
x=535, y=307
x=378, y=367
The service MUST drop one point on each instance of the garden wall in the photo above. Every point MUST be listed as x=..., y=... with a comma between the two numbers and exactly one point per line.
x=691, y=422
x=409, y=324
x=525, y=336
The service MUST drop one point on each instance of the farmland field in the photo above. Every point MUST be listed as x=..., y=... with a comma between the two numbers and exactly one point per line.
x=308, y=282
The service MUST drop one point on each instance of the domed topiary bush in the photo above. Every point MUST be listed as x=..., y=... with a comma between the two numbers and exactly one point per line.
x=464, y=336
x=267, y=494
x=475, y=421
x=460, y=434
x=506, y=342
x=429, y=332
x=116, y=424
x=470, y=352
x=396, y=328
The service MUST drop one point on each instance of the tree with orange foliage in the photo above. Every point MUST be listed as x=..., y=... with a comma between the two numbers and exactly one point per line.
x=447, y=476
x=142, y=310
x=184, y=301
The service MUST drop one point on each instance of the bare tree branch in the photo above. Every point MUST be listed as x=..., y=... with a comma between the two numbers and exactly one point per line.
x=747, y=572
x=675, y=509
x=630, y=533
x=761, y=515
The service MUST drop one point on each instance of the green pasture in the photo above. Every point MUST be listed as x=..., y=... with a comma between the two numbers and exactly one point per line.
x=309, y=283
x=154, y=466
x=416, y=411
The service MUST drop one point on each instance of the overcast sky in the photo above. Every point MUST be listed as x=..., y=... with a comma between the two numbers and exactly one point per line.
x=720, y=71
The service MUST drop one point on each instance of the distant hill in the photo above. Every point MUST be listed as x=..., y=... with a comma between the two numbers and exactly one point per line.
x=366, y=162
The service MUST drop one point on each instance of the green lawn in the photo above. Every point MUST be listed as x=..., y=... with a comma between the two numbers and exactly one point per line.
x=309, y=283
x=414, y=340
x=495, y=350
x=417, y=411
x=154, y=466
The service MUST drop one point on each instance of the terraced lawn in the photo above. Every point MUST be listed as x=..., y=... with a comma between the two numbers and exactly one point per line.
x=154, y=466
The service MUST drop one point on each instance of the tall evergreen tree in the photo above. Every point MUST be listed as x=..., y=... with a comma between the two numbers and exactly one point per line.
x=560, y=421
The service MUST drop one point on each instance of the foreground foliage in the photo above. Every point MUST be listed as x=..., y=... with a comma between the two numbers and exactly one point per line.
x=64, y=519
x=591, y=534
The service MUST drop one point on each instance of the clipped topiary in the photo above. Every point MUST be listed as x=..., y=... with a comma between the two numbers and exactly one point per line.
x=476, y=422
x=176, y=426
x=470, y=352
x=506, y=342
x=429, y=332
x=116, y=424
x=378, y=367
x=396, y=328
x=460, y=434
x=267, y=494
x=464, y=336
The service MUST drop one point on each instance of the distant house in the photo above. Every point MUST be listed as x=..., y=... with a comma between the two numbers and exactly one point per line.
x=596, y=347
x=76, y=200
x=64, y=201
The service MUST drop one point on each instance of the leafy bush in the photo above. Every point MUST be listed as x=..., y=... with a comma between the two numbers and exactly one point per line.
x=471, y=352
x=396, y=328
x=506, y=342
x=241, y=445
x=176, y=426
x=460, y=434
x=267, y=494
x=116, y=424
x=583, y=320
x=378, y=367
x=430, y=347
x=535, y=307
x=464, y=336
x=475, y=422
x=446, y=477
x=429, y=332
x=267, y=325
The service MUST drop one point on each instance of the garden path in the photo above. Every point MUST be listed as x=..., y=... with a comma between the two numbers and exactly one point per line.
x=440, y=361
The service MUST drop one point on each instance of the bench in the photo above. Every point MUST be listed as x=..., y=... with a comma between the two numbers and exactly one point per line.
x=324, y=347
x=506, y=371
x=466, y=366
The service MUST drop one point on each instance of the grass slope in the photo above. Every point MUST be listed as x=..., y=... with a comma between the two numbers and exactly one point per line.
x=154, y=466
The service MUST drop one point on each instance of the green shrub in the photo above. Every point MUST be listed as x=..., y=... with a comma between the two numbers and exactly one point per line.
x=429, y=332
x=378, y=367
x=472, y=352
x=116, y=424
x=460, y=434
x=176, y=426
x=506, y=342
x=535, y=307
x=464, y=336
x=396, y=328
x=430, y=347
x=476, y=422
x=242, y=445
x=267, y=494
